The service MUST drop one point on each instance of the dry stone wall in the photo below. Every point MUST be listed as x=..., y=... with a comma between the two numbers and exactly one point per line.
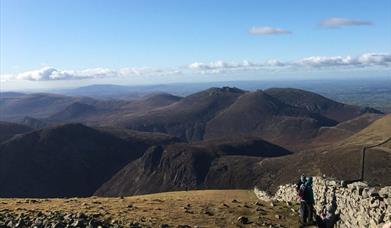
x=358, y=204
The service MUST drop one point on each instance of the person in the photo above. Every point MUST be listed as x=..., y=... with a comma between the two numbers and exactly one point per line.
x=300, y=182
x=300, y=188
x=327, y=218
x=309, y=201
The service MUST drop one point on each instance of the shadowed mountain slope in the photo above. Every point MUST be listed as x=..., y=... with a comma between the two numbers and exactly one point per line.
x=8, y=130
x=34, y=123
x=276, y=115
x=186, y=118
x=66, y=160
x=183, y=166
x=258, y=113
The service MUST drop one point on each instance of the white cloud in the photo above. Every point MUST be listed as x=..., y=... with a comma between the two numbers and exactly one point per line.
x=339, y=22
x=379, y=60
x=52, y=74
x=324, y=61
x=145, y=71
x=364, y=60
x=267, y=31
x=315, y=62
x=221, y=66
x=375, y=59
x=274, y=62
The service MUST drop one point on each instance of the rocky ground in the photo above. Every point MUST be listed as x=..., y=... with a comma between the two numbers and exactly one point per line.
x=209, y=208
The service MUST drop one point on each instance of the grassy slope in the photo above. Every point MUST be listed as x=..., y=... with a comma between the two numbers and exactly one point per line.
x=168, y=208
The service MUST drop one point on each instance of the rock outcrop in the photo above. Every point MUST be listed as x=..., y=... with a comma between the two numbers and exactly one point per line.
x=358, y=204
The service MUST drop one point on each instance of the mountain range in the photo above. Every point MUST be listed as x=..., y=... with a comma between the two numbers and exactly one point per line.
x=221, y=138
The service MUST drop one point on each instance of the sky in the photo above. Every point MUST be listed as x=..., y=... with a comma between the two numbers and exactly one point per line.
x=67, y=43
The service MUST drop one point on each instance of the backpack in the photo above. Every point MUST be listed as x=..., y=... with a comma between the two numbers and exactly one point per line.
x=301, y=192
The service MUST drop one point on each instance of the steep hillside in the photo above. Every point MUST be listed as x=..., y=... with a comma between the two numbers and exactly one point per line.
x=316, y=103
x=288, y=117
x=186, y=118
x=8, y=130
x=67, y=160
x=343, y=130
x=341, y=159
x=183, y=166
x=258, y=113
x=34, y=123
x=375, y=133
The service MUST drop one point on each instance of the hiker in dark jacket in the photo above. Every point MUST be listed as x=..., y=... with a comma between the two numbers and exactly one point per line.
x=300, y=182
x=327, y=218
x=300, y=188
x=309, y=200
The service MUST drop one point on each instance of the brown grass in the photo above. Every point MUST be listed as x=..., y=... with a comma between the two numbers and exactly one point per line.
x=206, y=208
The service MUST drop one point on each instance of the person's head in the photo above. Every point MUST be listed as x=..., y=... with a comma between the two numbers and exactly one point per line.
x=302, y=177
x=309, y=180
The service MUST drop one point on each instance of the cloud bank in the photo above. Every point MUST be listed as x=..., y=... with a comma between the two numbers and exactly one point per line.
x=312, y=62
x=336, y=22
x=52, y=74
x=268, y=31
x=367, y=60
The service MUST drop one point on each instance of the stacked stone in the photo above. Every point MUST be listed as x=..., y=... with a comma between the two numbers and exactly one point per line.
x=57, y=219
x=286, y=193
x=358, y=204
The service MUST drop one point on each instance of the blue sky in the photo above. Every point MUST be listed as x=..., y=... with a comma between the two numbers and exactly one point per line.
x=53, y=43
